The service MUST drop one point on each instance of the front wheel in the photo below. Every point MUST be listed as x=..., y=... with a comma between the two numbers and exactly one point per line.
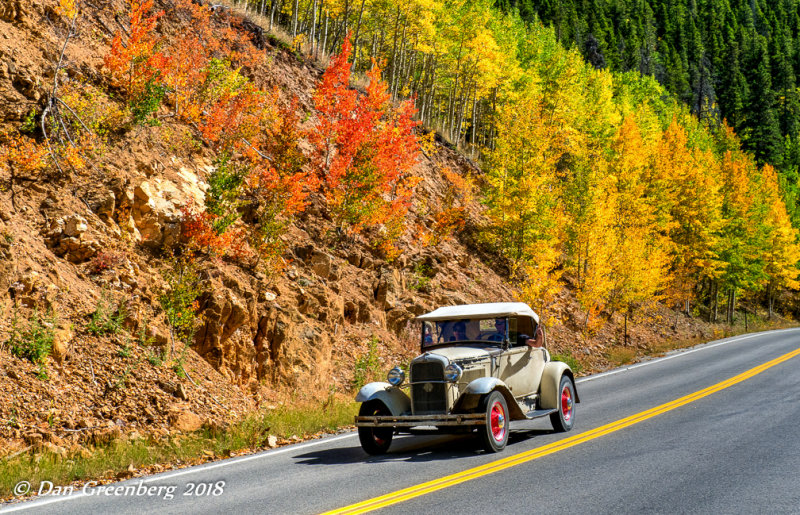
x=564, y=418
x=374, y=440
x=495, y=433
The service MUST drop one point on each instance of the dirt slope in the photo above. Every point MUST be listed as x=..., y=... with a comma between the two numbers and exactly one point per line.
x=73, y=243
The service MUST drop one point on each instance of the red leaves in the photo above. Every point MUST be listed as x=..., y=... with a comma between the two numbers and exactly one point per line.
x=363, y=147
x=364, y=150
x=198, y=229
x=136, y=57
x=233, y=119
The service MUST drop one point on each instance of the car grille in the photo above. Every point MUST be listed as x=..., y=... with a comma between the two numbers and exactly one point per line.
x=428, y=398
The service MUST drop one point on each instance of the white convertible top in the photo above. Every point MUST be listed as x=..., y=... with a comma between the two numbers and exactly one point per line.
x=489, y=310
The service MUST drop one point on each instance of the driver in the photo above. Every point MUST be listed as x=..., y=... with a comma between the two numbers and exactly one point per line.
x=500, y=330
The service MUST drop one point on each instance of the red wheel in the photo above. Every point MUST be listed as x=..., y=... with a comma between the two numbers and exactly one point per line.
x=564, y=418
x=497, y=421
x=566, y=403
x=495, y=433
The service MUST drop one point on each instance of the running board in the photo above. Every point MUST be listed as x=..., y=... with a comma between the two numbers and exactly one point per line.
x=538, y=413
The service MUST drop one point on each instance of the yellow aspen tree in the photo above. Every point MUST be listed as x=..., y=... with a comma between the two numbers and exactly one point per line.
x=639, y=261
x=782, y=252
x=683, y=187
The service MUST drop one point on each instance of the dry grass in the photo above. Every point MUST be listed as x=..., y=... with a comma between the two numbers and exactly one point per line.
x=106, y=461
x=301, y=45
x=618, y=356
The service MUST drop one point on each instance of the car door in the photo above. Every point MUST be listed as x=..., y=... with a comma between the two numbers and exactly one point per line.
x=521, y=369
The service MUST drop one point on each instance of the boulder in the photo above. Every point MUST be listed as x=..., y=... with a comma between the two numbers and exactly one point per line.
x=11, y=11
x=156, y=212
x=75, y=226
x=397, y=320
x=61, y=343
x=388, y=286
x=103, y=202
x=224, y=315
x=321, y=263
x=185, y=420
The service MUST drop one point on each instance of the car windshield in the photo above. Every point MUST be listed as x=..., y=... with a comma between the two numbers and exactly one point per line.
x=455, y=331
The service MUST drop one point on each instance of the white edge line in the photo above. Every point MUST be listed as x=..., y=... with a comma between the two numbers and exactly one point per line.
x=37, y=503
x=267, y=454
x=678, y=354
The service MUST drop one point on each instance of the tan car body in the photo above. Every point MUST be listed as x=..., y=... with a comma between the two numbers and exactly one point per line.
x=528, y=379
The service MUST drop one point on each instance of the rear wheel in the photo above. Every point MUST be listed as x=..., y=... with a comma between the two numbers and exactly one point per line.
x=374, y=440
x=564, y=418
x=494, y=434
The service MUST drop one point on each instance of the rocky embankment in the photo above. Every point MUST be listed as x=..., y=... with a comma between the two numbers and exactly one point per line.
x=78, y=248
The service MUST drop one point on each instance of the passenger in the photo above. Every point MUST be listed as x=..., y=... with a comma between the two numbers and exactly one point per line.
x=459, y=332
x=428, y=338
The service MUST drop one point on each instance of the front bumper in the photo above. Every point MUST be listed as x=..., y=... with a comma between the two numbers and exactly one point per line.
x=465, y=419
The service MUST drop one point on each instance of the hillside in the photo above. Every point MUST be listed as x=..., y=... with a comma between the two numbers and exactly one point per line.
x=94, y=253
x=736, y=61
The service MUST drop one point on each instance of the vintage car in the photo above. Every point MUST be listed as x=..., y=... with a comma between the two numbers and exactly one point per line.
x=482, y=366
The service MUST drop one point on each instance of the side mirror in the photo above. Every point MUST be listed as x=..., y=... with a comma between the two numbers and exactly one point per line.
x=522, y=339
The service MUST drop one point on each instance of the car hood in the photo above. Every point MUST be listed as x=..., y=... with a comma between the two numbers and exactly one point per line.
x=462, y=353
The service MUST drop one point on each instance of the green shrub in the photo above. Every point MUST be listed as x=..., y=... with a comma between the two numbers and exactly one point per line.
x=106, y=320
x=420, y=278
x=224, y=189
x=34, y=342
x=180, y=300
x=367, y=365
x=147, y=103
x=570, y=360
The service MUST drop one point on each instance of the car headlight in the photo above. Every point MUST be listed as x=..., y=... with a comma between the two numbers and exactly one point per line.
x=396, y=376
x=452, y=372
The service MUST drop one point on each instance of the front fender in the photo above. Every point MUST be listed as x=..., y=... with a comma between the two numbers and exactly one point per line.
x=394, y=398
x=551, y=379
x=486, y=385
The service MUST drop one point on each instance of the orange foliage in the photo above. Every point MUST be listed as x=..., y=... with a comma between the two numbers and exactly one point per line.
x=363, y=151
x=198, y=229
x=452, y=214
x=21, y=154
x=185, y=66
x=231, y=120
x=134, y=62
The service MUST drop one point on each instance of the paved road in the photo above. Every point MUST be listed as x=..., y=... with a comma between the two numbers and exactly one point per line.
x=734, y=448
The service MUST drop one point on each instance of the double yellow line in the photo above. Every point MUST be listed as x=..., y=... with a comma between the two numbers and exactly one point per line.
x=524, y=457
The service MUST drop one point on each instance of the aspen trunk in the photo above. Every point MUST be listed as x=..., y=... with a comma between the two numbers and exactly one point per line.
x=394, y=49
x=398, y=76
x=306, y=24
x=715, y=301
x=358, y=35
x=770, y=297
x=346, y=14
x=325, y=37
x=295, y=8
x=313, y=29
x=626, y=329
x=272, y=13
x=372, y=49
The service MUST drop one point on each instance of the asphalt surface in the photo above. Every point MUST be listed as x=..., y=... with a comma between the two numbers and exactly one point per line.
x=734, y=451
